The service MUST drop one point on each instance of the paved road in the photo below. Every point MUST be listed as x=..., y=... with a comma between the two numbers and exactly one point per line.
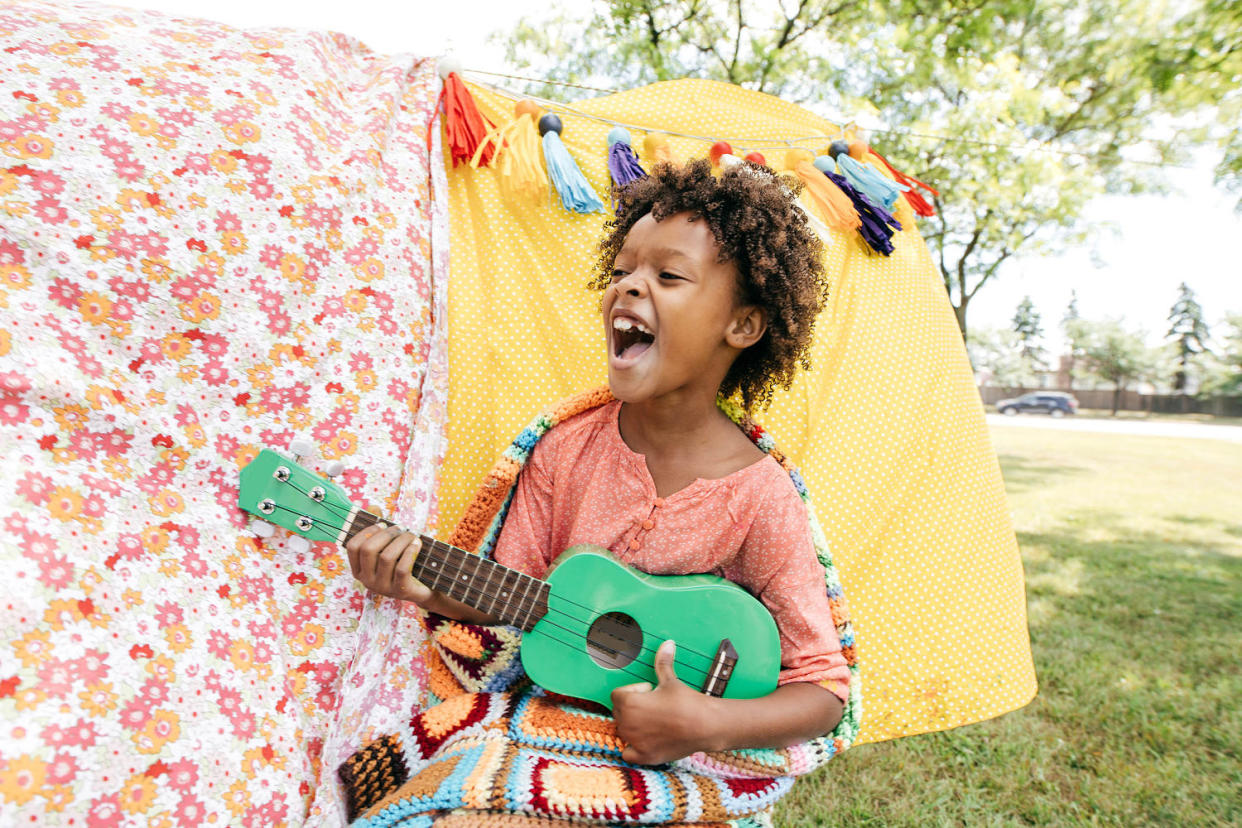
x=1204, y=431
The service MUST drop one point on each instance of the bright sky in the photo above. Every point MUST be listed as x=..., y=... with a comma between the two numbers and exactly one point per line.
x=1160, y=241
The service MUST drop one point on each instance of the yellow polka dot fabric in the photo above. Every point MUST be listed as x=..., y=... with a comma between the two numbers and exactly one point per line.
x=887, y=428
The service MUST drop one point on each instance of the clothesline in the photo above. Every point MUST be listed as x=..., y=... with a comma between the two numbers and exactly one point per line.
x=780, y=142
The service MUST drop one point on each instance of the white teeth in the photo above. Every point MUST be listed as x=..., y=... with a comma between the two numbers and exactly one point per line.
x=621, y=323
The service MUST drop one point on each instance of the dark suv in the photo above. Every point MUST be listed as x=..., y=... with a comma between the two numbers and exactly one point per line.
x=1053, y=403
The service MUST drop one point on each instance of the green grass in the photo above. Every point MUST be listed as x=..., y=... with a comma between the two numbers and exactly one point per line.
x=1132, y=549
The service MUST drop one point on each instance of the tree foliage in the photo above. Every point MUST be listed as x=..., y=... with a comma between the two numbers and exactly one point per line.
x=1116, y=355
x=1188, y=333
x=1223, y=368
x=1019, y=111
x=1026, y=324
x=996, y=355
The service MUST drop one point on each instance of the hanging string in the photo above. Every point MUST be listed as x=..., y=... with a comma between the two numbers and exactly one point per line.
x=784, y=143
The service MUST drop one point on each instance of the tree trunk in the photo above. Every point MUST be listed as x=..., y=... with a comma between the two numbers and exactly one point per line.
x=960, y=312
x=1116, y=398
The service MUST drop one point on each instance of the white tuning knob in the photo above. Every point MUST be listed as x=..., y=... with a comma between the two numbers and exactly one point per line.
x=335, y=468
x=262, y=528
x=298, y=545
x=300, y=447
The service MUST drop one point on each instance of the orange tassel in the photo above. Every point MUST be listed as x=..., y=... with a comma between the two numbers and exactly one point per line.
x=920, y=204
x=832, y=206
x=465, y=126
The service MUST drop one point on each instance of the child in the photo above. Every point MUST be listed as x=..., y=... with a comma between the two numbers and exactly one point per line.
x=710, y=286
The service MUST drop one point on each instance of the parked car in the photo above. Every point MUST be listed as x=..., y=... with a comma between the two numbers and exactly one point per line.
x=1052, y=403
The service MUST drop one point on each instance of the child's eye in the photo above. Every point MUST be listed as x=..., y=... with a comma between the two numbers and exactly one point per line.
x=669, y=276
x=618, y=275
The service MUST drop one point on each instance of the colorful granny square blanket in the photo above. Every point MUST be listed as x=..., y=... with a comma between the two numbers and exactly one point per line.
x=496, y=750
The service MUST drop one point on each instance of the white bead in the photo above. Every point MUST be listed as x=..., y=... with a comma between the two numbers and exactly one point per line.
x=262, y=528
x=448, y=63
x=335, y=468
x=729, y=160
x=298, y=545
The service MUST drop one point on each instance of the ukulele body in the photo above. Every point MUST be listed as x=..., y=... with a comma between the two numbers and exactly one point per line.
x=606, y=620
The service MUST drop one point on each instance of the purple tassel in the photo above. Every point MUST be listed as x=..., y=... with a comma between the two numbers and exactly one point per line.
x=878, y=225
x=623, y=165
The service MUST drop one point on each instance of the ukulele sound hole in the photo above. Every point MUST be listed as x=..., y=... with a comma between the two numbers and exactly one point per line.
x=614, y=640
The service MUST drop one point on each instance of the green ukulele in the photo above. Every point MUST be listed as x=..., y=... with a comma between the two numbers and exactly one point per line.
x=592, y=626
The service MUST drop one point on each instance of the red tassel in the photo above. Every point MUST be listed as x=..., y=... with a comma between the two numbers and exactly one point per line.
x=465, y=125
x=920, y=204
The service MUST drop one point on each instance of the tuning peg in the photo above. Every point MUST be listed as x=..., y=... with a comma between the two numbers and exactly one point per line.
x=335, y=468
x=262, y=528
x=298, y=545
x=301, y=448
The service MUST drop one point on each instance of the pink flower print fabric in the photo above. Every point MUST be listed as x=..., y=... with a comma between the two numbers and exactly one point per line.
x=210, y=240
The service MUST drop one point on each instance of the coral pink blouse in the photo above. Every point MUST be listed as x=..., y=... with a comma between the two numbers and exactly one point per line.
x=583, y=484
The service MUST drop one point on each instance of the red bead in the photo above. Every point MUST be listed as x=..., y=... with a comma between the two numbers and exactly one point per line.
x=757, y=158
x=718, y=149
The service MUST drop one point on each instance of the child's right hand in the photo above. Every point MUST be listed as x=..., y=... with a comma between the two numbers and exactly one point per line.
x=382, y=558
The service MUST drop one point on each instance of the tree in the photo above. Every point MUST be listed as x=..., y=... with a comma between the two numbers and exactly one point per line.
x=1200, y=66
x=1026, y=324
x=1223, y=372
x=1188, y=332
x=1018, y=110
x=1074, y=336
x=1116, y=355
x=996, y=353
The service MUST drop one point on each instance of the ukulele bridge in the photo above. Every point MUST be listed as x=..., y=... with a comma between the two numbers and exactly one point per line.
x=722, y=669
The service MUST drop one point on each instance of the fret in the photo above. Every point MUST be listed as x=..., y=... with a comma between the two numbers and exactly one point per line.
x=505, y=593
x=452, y=582
x=437, y=566
x=526, y=582
x=491, y=590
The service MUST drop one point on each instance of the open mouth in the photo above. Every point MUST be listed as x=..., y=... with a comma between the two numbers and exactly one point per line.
x=630, y=338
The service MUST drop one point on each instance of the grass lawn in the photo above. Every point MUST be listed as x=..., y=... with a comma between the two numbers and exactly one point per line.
x=1132, y=548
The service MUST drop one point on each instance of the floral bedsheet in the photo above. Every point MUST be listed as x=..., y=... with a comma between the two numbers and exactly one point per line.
x=211, y=240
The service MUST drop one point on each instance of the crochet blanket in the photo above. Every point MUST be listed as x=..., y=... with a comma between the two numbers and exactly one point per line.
x=491, y=743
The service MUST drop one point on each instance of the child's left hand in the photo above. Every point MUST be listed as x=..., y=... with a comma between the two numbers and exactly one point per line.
x=667, y=722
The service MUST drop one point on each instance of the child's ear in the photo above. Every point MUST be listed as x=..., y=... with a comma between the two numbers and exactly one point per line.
x=749, y=325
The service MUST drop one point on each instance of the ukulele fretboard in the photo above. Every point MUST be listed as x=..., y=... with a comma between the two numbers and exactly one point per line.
x=513, y=597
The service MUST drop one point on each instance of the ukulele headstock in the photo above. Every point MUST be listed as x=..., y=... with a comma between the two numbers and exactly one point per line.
x=276, y=489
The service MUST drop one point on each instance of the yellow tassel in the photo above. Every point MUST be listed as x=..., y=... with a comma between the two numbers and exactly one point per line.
x=833, y=207
x=657, y=150
x=518, y=152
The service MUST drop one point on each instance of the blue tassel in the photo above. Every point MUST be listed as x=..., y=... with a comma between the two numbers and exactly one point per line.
x=575, y=191
x=869, y=181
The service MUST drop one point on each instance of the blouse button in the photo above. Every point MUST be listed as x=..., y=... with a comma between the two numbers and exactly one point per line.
x=634, y=544
x=647, y=524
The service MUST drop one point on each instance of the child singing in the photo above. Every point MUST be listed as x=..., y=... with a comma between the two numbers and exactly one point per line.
x=710, y=287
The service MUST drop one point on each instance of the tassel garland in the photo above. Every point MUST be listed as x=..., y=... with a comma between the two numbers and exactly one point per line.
x=465, y=126
x=623, y=163
x=828, y=202
x=570, y=184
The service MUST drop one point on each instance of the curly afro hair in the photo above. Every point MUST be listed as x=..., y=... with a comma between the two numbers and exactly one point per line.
x=760, y=229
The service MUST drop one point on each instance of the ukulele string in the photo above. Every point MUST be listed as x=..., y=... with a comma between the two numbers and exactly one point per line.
x=483, y=592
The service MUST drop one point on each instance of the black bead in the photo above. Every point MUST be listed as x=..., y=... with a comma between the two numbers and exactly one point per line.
x=838, y=147
x=549, y=123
